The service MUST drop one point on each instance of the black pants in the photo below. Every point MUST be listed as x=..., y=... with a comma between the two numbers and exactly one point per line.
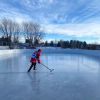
x=32, y=64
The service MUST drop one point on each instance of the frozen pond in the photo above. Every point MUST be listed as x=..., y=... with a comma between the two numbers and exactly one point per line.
x=76, y=77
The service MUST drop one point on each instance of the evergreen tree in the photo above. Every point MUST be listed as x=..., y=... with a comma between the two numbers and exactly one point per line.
x=46, y=43
x=52, y=43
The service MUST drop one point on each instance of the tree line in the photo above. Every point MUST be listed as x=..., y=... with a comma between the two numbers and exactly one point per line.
x=11, y=32
x=73, y=44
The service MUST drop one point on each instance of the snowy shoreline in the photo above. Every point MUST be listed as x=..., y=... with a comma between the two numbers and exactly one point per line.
x=49, y=50
x=8, y=51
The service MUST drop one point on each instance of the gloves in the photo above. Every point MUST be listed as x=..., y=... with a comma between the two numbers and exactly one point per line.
x=38, y=62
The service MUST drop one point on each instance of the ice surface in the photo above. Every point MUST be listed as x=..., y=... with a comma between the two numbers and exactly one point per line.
x=76, y=77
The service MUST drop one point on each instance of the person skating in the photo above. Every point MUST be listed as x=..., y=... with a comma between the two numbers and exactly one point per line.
x=34, y=59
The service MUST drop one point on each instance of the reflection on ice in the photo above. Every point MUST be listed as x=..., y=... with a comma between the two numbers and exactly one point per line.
x=60, y=62
x=76, y=77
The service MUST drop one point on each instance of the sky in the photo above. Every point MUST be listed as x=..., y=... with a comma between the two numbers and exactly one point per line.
x=60, y=19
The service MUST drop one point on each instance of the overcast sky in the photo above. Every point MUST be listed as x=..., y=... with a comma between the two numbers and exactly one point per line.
x=61, y=19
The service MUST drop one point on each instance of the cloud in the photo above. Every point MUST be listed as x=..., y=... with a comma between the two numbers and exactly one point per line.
x=54, y=11
x=70, y=17
x=74, y=29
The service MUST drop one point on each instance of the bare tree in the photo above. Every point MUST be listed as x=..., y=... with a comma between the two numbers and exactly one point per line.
x=6, y=27
x=25, y=30
x=28, y=31
x=32, y=32
x=10, y=30
x=16, y=32
x=39, y=34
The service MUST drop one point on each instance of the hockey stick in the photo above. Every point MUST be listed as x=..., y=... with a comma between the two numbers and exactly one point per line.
x=47, y=67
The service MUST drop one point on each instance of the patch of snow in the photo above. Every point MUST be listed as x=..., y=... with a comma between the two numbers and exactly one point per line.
x=8, y=52
x=4, y=47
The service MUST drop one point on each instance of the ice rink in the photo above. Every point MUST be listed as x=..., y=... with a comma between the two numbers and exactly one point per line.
x=76, y=77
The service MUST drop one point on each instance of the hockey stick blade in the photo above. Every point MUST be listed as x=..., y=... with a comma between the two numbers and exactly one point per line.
x=51, y=70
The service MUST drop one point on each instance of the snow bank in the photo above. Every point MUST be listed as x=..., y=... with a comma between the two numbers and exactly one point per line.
x=4, y=47
x=8, y=52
